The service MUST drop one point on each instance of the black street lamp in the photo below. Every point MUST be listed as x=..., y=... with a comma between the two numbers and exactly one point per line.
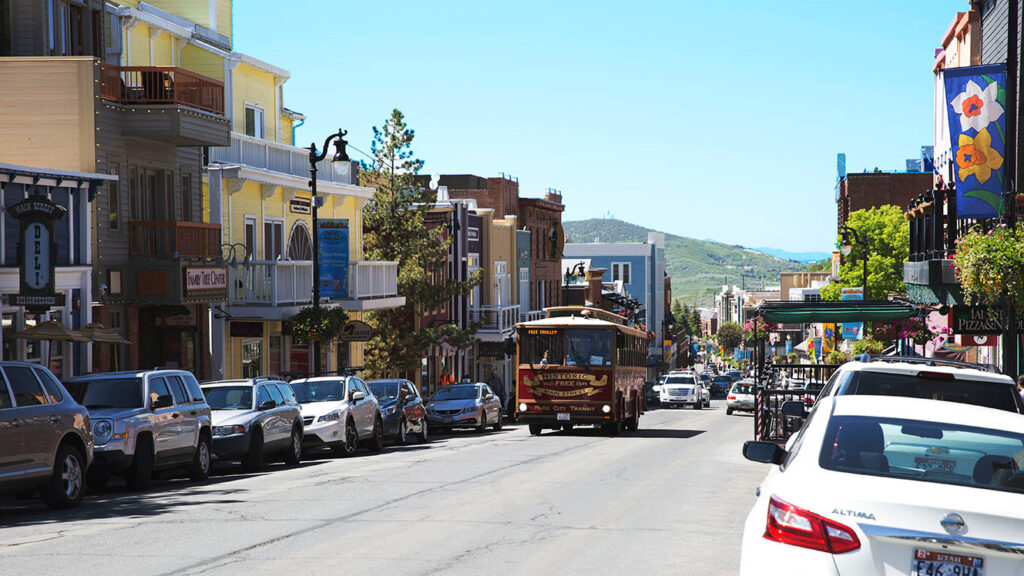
x=845, y=248
x=340, y=161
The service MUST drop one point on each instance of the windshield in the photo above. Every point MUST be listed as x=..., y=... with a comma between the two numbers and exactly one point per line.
x=107, y=393
x=319, y=391
x=997, y=395
x=690, y=380
x=229, y=397
x=588, y=347
x=456, y=393
x=384, y=391
x=925, y=451
x=742, y=389
x=541, y=346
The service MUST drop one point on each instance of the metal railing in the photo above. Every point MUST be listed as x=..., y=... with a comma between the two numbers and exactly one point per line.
x=168, y=239
x=370, y=279
x=271, y=282
x=274, y=157
x=531, y=315
x=161, y=85
x=783, y=383
x=495, y=319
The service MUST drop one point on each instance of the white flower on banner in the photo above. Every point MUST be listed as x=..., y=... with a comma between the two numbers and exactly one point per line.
x=977, y=107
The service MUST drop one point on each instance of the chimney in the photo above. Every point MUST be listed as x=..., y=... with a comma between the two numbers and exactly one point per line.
x=553, y=196
x=594, y=287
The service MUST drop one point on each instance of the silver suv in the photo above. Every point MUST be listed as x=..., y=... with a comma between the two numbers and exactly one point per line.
x=254, y=418
x=45, y=442
x=144, y=421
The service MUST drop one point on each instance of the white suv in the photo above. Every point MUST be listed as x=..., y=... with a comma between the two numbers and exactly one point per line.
x=684, y=389
x=339, y=412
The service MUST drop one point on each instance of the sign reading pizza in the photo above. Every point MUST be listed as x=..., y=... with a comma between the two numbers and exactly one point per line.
x=37, y=253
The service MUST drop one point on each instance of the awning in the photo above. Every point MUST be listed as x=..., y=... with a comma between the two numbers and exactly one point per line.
x=846, y=311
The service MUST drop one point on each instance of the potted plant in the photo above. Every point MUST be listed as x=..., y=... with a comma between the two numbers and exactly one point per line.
x=318, y=324
x=990, y=265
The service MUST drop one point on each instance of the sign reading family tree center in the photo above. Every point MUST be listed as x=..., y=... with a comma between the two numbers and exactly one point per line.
x=333, y=239
x=37, y=253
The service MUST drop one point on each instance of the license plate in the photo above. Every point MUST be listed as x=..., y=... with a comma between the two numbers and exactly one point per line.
x=562, y=416
x=446, y=419
x=929, y=563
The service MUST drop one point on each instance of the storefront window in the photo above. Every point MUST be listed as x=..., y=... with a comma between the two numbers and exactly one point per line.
x=10, y=344
x=252, y=358
x=33, y=348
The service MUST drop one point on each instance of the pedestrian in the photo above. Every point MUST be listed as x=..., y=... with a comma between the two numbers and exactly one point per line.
x=1020, y=386
x=498, y=386
x=446, y=378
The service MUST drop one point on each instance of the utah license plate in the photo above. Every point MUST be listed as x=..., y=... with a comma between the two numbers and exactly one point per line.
x=562, y=416
x=928, y=563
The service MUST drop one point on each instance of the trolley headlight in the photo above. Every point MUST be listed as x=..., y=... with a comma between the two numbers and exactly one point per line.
x=522, y=406
x=606, y=409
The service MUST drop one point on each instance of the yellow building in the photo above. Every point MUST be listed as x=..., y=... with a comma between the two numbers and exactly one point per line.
x=257, y=189
x=495, y=305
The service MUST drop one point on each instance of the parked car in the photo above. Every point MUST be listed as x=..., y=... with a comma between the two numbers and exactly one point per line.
x=253, y=419
x=684, y=390
x=45, y=437
x=464, y=406
x=339, y=412
x=734, y=374
x=651, y=391
x=144, y=421
x=721, y=384
x=741, y=397
x=905, y=486
x=401, y=408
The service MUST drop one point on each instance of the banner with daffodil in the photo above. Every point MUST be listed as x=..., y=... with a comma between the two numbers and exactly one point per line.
x=977, y=130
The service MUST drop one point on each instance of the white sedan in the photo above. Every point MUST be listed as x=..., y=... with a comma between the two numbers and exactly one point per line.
x=891, y=485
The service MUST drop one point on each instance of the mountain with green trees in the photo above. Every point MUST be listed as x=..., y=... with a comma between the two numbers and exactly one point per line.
x=698, y=268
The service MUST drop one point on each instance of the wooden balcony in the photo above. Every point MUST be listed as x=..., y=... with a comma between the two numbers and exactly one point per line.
x=174, y=240
x=161, y=85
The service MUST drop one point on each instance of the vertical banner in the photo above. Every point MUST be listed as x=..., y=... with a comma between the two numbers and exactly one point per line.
x=789, y=347
x=817, y=349
x=976, y=97
x=853, y=330
x=828, y=338
x=333, y=234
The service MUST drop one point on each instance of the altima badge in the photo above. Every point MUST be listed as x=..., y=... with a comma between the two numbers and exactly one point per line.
x=954, y=523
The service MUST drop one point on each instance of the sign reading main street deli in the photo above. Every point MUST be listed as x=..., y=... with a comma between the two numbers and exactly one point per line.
x=37, y=253
x=979, y=320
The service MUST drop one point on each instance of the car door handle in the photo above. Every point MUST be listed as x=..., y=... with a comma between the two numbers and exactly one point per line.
x=195, y=412
x=175, y=415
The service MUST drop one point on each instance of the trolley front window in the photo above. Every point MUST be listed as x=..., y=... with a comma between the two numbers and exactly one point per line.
x=541, y=346
x=589, y=347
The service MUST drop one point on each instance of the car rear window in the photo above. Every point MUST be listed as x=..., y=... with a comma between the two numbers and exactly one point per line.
x=742, y=389
x=107, y=392
x=925, y=451
x=998, y=395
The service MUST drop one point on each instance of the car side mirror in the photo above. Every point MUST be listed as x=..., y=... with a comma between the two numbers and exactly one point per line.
x=794, y=408
x=357, y=396
x=765, y=452
x=163, y=401
x=268, y=405
x=409, y=397
x=489, y=397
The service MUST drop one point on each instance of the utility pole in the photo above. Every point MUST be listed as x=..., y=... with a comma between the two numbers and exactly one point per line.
x=1013, y=159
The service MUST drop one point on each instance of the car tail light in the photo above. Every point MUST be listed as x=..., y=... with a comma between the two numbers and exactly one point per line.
x=732, y=397
x=795, y=526
x=936, y=375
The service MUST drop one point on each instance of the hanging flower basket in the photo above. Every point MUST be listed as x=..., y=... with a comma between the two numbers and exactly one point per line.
x=918, y=331
x=990, y=265
x=318, y=324
x=756, y=329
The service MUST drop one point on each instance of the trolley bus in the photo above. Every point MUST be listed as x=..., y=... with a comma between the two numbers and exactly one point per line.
x=580, y=366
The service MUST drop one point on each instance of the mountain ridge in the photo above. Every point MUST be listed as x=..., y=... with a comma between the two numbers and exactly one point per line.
x=698, y=268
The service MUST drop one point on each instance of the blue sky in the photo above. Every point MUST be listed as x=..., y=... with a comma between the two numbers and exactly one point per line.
x=716, y=120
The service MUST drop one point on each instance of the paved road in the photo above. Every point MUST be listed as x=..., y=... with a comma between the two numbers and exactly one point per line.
x=669, y=499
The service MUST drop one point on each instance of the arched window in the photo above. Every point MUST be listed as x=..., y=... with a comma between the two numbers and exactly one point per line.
x=300, y=245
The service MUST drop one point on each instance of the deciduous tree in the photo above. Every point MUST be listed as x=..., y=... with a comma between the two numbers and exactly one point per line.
x=888, y=242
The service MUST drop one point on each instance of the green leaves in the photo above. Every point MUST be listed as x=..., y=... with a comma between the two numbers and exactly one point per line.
x=888, y=239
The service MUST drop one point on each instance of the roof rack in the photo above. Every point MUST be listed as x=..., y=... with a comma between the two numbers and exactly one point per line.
x=926, y=362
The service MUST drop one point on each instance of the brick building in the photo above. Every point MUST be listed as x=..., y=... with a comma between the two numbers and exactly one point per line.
x=542, y=217
x=873, y=189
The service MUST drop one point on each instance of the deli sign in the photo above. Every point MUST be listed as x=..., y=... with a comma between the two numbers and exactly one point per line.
x=979, y=320
x=37, y=253
x=205, y=280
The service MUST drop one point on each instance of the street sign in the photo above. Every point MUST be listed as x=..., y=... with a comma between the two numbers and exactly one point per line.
x=979, y=320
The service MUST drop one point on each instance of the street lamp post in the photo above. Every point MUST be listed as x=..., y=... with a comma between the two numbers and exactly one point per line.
x=845, y=248
x=340, y=156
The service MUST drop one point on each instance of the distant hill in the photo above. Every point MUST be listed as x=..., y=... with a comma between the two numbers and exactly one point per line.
x=805, y=257
x=698, y=268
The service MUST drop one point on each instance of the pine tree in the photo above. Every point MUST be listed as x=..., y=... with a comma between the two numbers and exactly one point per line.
x=395, y=229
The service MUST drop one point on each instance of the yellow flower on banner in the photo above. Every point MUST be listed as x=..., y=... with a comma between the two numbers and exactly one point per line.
x=976, y=156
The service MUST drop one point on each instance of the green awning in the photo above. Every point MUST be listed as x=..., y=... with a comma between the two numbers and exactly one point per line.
x=846, y=311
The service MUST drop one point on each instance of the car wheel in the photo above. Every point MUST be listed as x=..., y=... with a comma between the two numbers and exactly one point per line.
x=483, y=422
x=202, y=463
x=634, y=421
x=67, y=482
x=497, y=425
x=377, y=442
x=140, y=473
x=698, y=405
x=402, y=437
x=253, y=459
x=536, y=429
x=294, y=455
x=424, y=434
x=728, y=411
x=350, y=445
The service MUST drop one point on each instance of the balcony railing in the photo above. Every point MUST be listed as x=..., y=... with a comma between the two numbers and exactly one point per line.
x=531, y=315
x=161, y=85
x=274, y=282
x=495, y=319
x=274, y=157
x=271, y=282
x=174, y=240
